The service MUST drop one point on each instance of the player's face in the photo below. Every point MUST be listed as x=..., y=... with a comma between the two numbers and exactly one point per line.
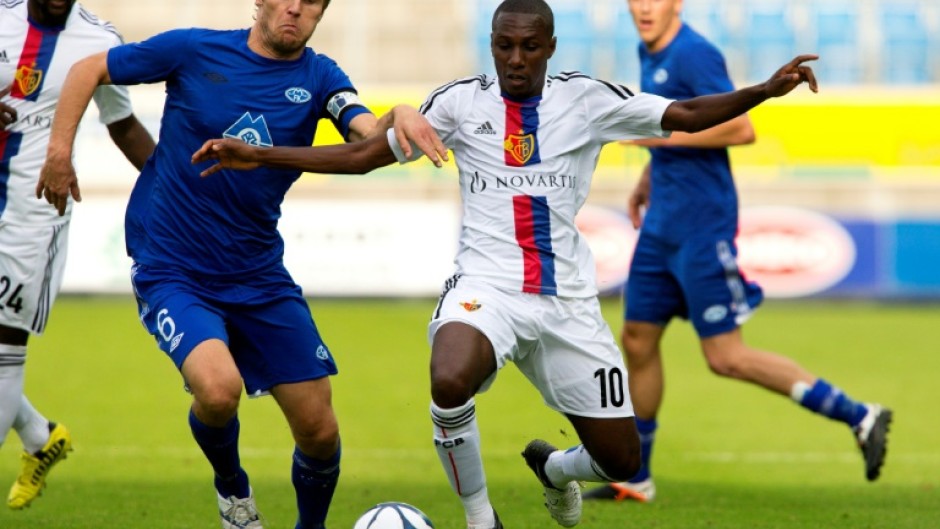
x=521, y=46
x=50, y=12
x=657, y=21
x=285, y=26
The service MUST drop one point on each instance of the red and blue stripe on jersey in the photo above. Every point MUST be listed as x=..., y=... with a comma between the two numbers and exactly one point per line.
x=27, y=84
x=531, y=213
x=34, y=62
x=534, y=235
x=520, y=143
x=9, y=147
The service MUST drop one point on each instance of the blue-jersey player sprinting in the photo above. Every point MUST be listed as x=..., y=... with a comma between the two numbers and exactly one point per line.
x=685, y=262
x=208, y=267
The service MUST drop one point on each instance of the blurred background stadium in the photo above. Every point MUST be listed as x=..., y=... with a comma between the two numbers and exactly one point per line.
x=839, y=195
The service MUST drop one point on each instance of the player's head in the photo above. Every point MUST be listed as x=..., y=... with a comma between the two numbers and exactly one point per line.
x=50, y=12
x=522, y=41
x=657, y=21
x=283, y=27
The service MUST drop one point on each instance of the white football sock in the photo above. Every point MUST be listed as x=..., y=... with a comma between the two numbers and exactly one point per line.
x=457, y=440
x=574, y=464
x=31, y=426
x=12, y=358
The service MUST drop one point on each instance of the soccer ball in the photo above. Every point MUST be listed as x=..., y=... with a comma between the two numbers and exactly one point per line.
x=393, y=515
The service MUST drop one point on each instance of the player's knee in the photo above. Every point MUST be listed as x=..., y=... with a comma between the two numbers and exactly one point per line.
x=450, y=391
x=621, y=465
x=724, y=365
x=636, y=349
x=317, y=440
x=218, y=402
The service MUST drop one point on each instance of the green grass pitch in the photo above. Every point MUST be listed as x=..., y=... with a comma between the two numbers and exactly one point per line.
x=728, y=455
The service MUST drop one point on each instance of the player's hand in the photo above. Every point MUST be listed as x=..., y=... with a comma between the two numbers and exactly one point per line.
x=792, y=75
x=640, y=198
x=412, y=127
x=7, y=113
x=58, y=181
x=636, y=204
x=229, y=154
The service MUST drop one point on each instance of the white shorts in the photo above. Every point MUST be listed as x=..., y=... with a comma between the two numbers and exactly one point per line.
x=32, y=261
x=562, y=345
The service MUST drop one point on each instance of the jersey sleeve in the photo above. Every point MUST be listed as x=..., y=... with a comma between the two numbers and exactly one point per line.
x=341, y=101
x=617, y=114
x=151, y=60
x=114, y=103
x=707, y=73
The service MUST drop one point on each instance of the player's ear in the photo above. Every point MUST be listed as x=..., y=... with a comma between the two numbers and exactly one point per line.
x=551, y=46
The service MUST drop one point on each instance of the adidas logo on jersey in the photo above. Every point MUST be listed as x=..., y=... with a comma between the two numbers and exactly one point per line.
x=3, y=56
x=485, y=128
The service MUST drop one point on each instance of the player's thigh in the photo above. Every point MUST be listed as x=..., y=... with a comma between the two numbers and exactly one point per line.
x=212, y=376
x=720, y=299
x=652, y=294
x=577, y=366
x=472, y=332
x=173, y=310
x=32, y=263
x=277, y=343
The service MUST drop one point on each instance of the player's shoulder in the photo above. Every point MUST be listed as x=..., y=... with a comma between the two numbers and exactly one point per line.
x=83, y=19
x=575, y=84
x=13, y=7
x=694, y=44
x=465, y=86
x=474, y=83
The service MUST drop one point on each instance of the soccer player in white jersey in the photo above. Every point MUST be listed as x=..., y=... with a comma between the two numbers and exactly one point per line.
x=526, y=146
x=39, y=41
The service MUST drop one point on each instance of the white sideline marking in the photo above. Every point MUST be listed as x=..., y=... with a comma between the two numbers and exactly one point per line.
x=788, y=458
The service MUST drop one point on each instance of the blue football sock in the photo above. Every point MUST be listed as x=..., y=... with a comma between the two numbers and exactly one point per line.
x=314, y=480
x=647, y=429
x=828, y=400
x=220, y=445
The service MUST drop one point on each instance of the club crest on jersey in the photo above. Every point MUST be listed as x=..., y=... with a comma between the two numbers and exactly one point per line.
x=28, y=79
x=520, y=147
x=297, y=95
x=251, y=130
x=470, y=306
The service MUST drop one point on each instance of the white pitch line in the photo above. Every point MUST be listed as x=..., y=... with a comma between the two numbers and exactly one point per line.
x=247, y=452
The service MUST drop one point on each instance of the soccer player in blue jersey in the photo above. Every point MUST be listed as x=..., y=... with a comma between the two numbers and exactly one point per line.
x=685, y=260
x=39, y=41
x=208, y=267
x=526, y=144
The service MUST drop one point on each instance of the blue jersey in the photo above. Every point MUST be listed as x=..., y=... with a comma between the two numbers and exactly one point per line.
x=692, y=189
x=222, y=226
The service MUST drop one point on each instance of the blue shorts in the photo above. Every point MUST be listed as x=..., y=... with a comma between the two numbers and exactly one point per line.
x=698, y=280
x=265, y=322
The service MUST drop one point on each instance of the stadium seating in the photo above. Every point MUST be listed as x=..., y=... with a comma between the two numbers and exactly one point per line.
x=875, y=41
x=768, y=37
x=837, y=29
x=906, y=43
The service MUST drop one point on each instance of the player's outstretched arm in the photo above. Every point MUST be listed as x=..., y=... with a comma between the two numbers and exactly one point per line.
x=57, y=179
x=700, y=113
x=350, y=158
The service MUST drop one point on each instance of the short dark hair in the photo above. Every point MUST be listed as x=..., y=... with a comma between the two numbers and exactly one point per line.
x=539, y=8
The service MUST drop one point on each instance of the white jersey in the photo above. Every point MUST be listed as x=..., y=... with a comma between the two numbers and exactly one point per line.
x=525, y=171
x=34, y=61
